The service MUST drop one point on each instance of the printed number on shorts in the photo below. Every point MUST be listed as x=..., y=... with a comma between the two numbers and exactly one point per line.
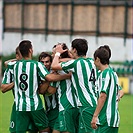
x=92, y=77
x=23, y=84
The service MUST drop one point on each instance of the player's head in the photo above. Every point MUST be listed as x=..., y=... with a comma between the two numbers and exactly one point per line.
x=65, y=54
x=46, y=59
x=80, y=45
x=25, y=47
x=101, y=56
x=18, y=54
x=107, y=48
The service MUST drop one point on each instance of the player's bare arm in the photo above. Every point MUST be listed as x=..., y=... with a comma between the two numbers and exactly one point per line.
x=56, y=77
x=121, y=94
x=43, y=87
x=7, y=87
x=100, y=105
x=51, y=90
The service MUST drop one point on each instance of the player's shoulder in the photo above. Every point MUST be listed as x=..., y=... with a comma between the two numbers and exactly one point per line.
x=11, y=64
x=106, y=72
x=90, y=59
x=29, y=61
x=68, y=62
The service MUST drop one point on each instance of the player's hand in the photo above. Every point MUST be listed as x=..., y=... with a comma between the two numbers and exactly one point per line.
x=93, y=122
x=60, y=49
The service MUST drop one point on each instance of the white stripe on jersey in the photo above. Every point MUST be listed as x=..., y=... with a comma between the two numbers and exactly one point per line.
x=18, y=90
x=59, y=95
x=35, y=89
x=69, y=92
x=89, y=71
x=27, y=91
x=77, y=98
x=54, y=104
x=108, y=111
x=106, y=85
x=46, y=98
x=42, y=70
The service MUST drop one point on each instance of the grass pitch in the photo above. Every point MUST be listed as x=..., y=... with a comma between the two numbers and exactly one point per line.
x=125, y=109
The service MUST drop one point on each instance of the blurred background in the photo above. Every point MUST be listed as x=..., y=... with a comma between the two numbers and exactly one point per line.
x=47, y=22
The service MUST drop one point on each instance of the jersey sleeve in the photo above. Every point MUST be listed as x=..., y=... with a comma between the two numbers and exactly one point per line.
x=8, y=74
x=119, y=87
x=7, y=78
x=68, y=66
x=42, y=71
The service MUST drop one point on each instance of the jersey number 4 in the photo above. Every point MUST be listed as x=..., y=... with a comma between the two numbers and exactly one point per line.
x=92, y=76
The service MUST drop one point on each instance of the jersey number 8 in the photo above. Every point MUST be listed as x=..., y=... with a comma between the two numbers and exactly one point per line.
x=23, y=84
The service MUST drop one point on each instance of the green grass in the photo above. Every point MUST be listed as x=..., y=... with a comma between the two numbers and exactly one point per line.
x=125, y=109
x=6, y=101
x=126, y=114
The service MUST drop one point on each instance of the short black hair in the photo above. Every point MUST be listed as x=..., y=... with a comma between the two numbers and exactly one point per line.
x=107, y=48
x=81, y=45
x=24, y=47
x=102, y=54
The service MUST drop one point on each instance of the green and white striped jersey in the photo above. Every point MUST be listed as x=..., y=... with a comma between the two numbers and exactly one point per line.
x=8, y=74
x=7, y=77
x=108, y=83
x=27, y=74
x=84, y=75
x=51, y=101
x=66, y=94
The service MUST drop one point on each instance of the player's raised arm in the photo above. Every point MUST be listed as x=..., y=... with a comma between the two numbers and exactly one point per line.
x=56, y=61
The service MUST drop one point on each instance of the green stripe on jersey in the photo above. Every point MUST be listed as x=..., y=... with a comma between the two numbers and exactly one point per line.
x=31, y=89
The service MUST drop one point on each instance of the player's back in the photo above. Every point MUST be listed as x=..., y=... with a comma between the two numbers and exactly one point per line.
x=26, y=77
x=86, y=77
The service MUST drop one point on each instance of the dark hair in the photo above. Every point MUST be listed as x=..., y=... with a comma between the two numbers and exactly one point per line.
x=64, y=46
x=24, y=47
x=54, y=46
x=65, y=54
x=108, y=49
x=81, y=45
x=44, y=55
x=102, y=54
